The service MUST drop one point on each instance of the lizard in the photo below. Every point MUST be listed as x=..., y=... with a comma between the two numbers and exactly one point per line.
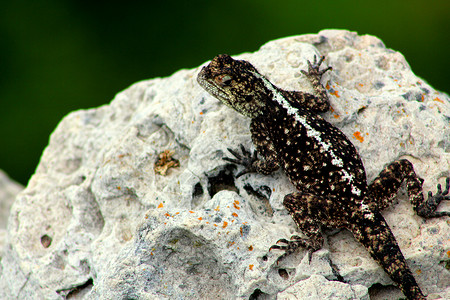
x=321, y=162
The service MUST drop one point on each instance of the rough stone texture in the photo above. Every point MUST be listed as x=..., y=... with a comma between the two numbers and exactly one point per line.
x=8, y=192
x=97, y=222
x=318, y=287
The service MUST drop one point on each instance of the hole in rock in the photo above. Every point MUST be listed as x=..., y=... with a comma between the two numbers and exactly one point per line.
x=198, y=190
x=46, y=241
x=197, y=194
x=283, y=274
x=224, y=180
x=81, y=290
x=258, y=295
x=263, y=192
x=378, y=291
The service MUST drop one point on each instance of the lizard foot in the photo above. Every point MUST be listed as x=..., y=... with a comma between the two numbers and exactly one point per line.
x=245, y=159
x=314, y=71
x=427, y=209
x=292, y=245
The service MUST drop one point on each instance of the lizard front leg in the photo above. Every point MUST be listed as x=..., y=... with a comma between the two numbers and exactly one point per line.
x=318, y=102
x=315, y=75
x=264, y=146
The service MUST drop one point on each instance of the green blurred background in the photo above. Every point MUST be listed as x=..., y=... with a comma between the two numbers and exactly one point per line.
x=57, y=56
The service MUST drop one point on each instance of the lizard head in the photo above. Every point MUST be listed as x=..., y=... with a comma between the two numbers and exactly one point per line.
x=236, y=83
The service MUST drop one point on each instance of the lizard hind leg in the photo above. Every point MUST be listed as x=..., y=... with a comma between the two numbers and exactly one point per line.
x=383, y=190
x=428, y=207
x=309, y=212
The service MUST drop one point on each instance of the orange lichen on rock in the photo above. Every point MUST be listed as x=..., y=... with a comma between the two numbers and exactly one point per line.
x=235, y=204
x=358, y=136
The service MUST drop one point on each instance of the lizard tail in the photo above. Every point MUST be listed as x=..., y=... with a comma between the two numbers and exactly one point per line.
x=374, y=233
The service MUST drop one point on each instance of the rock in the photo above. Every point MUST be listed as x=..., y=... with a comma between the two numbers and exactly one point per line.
x=97, y=222
x=318, y=287
x=8, y=192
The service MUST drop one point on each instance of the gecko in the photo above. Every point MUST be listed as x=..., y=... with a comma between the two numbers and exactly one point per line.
x=321, y=162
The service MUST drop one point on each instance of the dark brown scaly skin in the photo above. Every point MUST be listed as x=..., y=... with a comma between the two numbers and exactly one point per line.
x=321, y=163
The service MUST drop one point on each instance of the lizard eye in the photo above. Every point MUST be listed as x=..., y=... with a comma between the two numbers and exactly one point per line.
x=224, y=80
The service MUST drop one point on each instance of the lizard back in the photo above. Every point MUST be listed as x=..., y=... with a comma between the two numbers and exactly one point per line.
x=314, y=154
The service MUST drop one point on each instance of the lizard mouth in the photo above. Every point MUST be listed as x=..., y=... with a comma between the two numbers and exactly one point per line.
x=208, y=84
x=202, y=78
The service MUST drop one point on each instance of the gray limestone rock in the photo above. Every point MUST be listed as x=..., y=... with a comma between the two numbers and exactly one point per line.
x=8, y=192
x=318, y=287
x=97, y=222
